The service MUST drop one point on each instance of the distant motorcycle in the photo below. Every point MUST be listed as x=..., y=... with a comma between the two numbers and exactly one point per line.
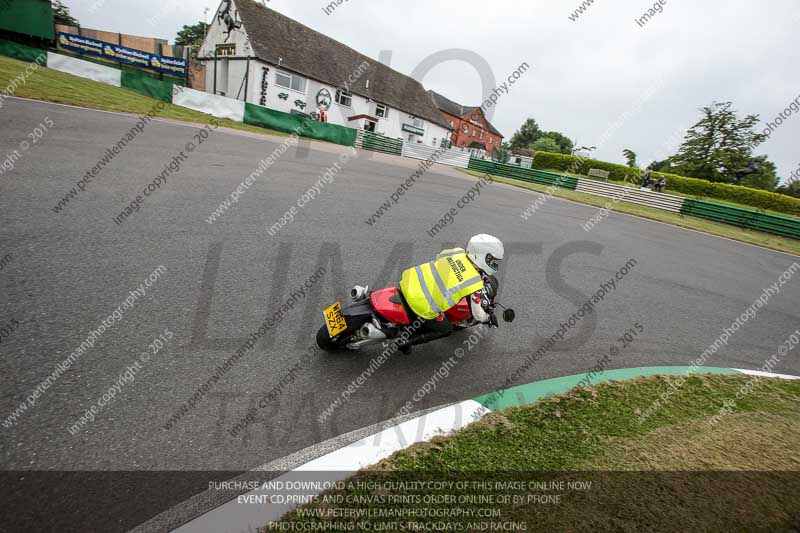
x=375, y=317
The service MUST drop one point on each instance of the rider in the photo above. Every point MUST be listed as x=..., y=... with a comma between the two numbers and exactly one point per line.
x=433, y=288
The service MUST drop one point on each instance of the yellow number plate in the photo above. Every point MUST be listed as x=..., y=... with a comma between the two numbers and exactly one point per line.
x=334, y=319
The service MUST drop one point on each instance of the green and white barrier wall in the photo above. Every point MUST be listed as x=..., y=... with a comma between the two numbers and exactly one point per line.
x=116, y=75
x=276, y=120
x=162, y=89
x=210, y=104
x=20, y=51
x=85, y=69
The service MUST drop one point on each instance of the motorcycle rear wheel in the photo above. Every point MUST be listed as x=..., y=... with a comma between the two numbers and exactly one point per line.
x=325, y=342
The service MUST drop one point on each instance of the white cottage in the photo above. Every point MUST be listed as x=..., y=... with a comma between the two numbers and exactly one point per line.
x=255, y=54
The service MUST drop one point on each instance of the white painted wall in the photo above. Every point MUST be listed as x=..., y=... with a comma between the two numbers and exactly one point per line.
x=235, y=68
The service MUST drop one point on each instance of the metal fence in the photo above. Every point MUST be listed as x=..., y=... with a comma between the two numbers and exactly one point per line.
x=776, y=224
x=378, y=143
x=657, y=200
x=454, y=158
x=524, y=174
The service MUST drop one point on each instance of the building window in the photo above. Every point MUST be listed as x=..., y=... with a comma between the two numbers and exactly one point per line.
x=290, y=81
x=344, y=98
x=481, y=134
x=491, y=140
x=411, y=138
x=474, y=133
x=381, y=111
x=466, y=129
x=226, y=50
x=451, y=124
x=418, y=123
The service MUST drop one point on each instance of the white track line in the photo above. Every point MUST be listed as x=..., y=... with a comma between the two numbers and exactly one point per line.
x=765, y=374
x=336, y=466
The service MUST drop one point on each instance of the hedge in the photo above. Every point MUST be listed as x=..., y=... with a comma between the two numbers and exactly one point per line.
x=691, y=186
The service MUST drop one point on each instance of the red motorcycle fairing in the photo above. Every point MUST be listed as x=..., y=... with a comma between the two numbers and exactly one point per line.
x=460, y=312
x=388, y=303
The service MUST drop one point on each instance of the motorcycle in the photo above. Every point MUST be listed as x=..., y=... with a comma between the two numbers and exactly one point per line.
x=376, y=317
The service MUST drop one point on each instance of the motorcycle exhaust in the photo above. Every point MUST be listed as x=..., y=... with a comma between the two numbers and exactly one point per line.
x=359, y=293
x=370, y=332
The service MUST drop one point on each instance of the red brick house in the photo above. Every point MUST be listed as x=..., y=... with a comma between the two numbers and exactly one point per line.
x=471, y=130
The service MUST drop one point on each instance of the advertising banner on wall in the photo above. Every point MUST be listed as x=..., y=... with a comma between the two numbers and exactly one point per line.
x=169, y=65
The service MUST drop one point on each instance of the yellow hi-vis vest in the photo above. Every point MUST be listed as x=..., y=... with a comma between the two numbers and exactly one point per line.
x=435, y=287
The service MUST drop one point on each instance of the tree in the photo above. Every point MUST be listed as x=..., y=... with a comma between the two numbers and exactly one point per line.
x=792, y=189
x=192, y=35
x=526, y=135
x=61, y=14
x=546, y=144
x=660, y=166
x=718, y=145
x=564, y=143
x=630, y=157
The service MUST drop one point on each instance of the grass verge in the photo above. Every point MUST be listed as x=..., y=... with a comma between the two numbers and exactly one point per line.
x=767, y=240
x=597, y=464
x=54, y=86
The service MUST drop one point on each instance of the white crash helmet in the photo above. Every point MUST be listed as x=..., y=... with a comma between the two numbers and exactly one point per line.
x=485, y=252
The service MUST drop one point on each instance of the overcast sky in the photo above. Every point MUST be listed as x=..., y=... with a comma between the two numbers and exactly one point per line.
x=602, y=79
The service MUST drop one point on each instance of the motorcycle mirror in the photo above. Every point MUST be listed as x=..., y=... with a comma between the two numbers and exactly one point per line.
x=509, y=315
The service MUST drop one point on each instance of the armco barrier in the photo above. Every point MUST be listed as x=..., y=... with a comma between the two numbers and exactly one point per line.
x=523, y=174
x=378, y=143
x=775, y=224
x=147, y=85
x=657, y=200
x=276, y=120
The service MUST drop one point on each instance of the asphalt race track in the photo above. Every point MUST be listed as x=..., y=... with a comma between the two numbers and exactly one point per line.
x=70, y=270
